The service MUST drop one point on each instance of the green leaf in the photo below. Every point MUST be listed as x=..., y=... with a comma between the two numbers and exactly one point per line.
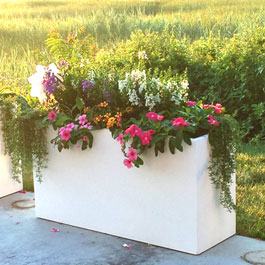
x=156, y=151
x=138, y=162
x=179, y=141
x=116, y=133
x=172, y=145
x=62, y=120
x=90, y=139
x=84, y=145
x=79, y=103
x=186, y=139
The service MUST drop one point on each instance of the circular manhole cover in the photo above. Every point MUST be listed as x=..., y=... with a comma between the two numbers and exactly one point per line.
x=255, y=257
x=23, y=204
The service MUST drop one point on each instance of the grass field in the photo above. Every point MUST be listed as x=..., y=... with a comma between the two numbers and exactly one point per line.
x=24, y=25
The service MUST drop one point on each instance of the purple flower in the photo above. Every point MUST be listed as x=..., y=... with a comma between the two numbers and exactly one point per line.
x=107, y=96
x=49, y=83
x=86, y=85
x=63, y=63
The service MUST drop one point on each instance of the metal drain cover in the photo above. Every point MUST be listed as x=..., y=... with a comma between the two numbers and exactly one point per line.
x=23, y=204
x=255, y=257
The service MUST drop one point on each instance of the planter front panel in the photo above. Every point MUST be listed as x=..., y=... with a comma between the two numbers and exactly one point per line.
x=7, y=184
x=158, y=203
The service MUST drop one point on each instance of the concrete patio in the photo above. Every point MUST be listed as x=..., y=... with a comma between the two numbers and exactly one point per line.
x=26, y=240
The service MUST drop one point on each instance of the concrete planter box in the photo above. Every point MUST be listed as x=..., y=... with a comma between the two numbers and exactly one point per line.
x=168, y=202
x=8, y=185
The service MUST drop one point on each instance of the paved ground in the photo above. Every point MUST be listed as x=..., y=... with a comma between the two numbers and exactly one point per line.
x=25, y=240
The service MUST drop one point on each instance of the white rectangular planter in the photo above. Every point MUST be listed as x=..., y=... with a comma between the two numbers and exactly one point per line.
x=168, y=202
x=8, y=185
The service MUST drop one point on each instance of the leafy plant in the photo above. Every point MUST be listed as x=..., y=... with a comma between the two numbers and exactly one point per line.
x=25, y=142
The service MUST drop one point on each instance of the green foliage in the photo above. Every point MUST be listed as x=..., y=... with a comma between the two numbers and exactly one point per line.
x=251, y=191
x=25, y=143
x=223, y=158
x=231, y=72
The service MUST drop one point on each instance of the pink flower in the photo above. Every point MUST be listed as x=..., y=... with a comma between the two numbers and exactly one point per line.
x=132, y=154
x=218, y=108
x=82, y=119
x=85, y=138
x=88, y=126
x=179, y=122
x=160, y=117
x=127, y=163
x=119, y=119
x=70, y=126
x=133, y=130
x=52, y=115
x=212, y=121
x=205, y=106
x=61, y=130
x=146, y=138
x=151, y=131
x=154, y=116
x=65, y=134
x=120, y=139
x=191, y=103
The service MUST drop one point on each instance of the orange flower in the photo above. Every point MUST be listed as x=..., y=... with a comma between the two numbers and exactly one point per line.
x=103, y=104
x=129, y=109
x=111, y=122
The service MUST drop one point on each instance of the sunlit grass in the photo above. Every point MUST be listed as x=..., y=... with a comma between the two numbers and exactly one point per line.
x=251, y=191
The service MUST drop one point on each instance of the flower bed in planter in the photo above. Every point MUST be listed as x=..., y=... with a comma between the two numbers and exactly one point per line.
x=8, y=185
x=169, y=202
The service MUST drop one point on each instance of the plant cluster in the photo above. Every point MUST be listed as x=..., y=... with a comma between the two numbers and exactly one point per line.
x=142, y=104
x=24, y=140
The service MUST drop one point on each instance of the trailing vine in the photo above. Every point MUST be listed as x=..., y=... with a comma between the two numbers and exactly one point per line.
x=223, y=158
x=24, y=140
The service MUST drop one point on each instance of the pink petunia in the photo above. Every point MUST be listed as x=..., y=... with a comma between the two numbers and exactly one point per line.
x=52, y=115
x=132, y=154
x=85, y=138
x=133, y=130
x=70, y=126
x=218, y=108
x=65, y=134
x=61, y=130
x=88, y=126
x=205, y=106
x=120, y=139
x=127, y=163
x=191, y=103
x=151, y=131
x=160, y=117
x=82, y=119
x=212, y=121
x=154, y=116
x=179, y=122
x=146, y=138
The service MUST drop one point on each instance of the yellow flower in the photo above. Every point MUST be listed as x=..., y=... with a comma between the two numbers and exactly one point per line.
x=111, y=122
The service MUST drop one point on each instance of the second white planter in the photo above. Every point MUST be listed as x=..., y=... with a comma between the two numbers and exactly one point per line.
x=168, y=202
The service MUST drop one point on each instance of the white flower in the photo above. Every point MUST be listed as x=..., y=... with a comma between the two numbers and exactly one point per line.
x=142, y=55
x=36, y=80
x=37, y=89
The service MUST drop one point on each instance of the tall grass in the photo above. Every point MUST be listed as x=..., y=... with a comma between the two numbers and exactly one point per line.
x=25, y=24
